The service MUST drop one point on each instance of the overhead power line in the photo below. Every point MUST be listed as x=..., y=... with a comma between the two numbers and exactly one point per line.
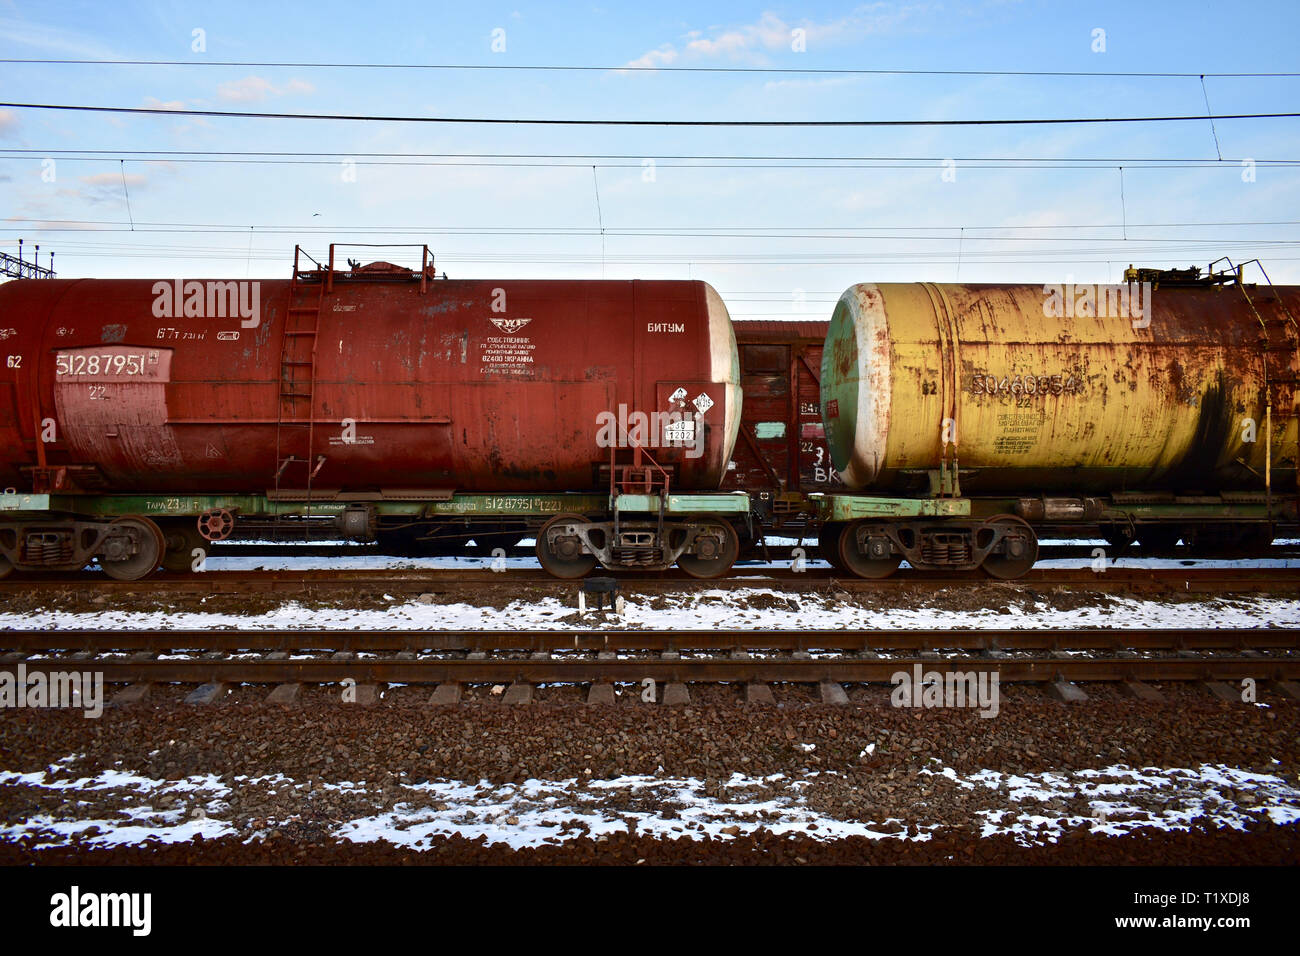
x=929, y=257
x=302, y=65
x=146, y=154
x=900, y=233
x=544, y=163
x=862, y=232
x=469, y=164
x=525, y=121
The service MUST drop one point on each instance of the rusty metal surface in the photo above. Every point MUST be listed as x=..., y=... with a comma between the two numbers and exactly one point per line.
x=477, y=385
x=1076, y=402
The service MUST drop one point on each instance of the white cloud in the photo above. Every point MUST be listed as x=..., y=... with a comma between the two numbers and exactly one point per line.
x=8, y=122
x=114, y=179
x=821, y=83
x=663, y=56
x=250, y=89
x=254, y=89
x=770, y=33
x=51, y=39
x=153, y=103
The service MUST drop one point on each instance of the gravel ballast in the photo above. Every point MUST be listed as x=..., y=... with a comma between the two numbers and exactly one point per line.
x=1110, y=780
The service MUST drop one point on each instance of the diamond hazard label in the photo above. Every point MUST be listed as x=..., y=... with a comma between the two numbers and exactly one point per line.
x=702, y=402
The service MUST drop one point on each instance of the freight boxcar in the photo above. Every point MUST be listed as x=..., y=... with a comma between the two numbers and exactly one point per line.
x=142, y=417
x=1161, y=409
x=781, y=458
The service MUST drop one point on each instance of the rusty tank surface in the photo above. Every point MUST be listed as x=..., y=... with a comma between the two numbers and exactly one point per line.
x=380, y=379
x=1171, y=381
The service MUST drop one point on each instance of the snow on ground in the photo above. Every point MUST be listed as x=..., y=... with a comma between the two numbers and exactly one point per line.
x=1122, y=799
x=1033, y=807
x=170, y=811
x=697, y=610
x=378, y=562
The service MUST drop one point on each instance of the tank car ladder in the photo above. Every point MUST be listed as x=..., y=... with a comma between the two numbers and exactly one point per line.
x=1280, y=342
x=295, y=427
x=638, y=478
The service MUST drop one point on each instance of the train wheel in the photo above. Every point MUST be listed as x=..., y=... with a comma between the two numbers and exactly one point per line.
x=828, y=544
x=6, y=567
x=146, y=560
x=714, y=557
x=1021, y=548
x=855, y=562
x=180, y=540
x=562, y=555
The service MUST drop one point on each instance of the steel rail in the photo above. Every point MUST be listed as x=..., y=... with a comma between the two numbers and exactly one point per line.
x=634, y=670
x=417, y=580
x=325, y=549
x=594, y=640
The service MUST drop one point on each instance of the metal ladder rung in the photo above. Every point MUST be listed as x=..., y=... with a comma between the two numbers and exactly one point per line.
x=297, y=388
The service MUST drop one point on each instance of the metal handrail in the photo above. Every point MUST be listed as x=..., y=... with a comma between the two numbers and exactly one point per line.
x=300, y=251
x=426, y=259
x=638, y=450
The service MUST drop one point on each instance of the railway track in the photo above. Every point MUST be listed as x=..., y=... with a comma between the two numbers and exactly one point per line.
x=417, y=581
x=783, y=553
x=566, y=640
x=524, y=659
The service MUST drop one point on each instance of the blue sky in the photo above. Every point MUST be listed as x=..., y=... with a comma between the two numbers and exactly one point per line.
x=193, y=219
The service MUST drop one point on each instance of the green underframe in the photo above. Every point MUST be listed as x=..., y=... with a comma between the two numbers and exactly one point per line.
x=1164, y=511
x=852, y=507
x=828, y=507
x=499, y=505
x=730, y=503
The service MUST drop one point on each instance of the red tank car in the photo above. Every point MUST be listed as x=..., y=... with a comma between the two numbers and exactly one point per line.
x=139, y=418
x=372, y=381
